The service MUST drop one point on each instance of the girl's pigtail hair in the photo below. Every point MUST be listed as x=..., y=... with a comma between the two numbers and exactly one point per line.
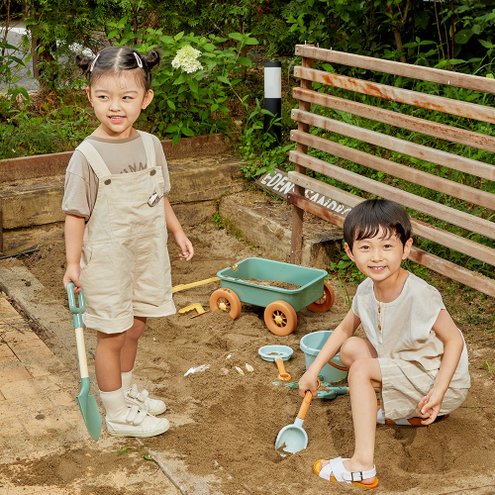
x=84, y=62
x=152, y=59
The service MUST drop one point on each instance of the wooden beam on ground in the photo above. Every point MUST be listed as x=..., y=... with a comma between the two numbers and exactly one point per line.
x=47, y=165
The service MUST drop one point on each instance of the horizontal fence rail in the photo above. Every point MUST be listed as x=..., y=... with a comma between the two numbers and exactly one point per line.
x=411, y=123
x=422, y=100
x=398, y=68
x=458, y=191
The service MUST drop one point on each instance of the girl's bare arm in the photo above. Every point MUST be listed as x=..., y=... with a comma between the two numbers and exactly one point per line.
x=73, y=232
x=175, y=228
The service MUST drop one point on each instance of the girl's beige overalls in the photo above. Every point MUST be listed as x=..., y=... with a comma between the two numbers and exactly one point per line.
x=125, y=263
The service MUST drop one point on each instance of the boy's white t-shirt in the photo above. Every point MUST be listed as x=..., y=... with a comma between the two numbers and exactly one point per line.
x=120, y=156
x=402, y=329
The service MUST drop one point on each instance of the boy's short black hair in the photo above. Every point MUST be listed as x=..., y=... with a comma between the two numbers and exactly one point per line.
x=367, y=218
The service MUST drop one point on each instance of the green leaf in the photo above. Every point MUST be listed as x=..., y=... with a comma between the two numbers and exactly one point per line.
x=187, y=132
x=236, y=36
x=180, y=80
x=193, y=85
x=251, y=41
x=67, y=111
x=245, y=61
x=223, y=79
x=486, y=44
x=209, y=47
x=476, y=28
x=463, y=36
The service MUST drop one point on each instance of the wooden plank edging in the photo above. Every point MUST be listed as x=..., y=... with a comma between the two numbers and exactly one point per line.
x=47, y=165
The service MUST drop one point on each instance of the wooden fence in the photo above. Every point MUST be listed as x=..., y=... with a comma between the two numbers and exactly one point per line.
x=326, y=92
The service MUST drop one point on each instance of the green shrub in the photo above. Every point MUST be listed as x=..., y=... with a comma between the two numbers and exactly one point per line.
x=192, y=92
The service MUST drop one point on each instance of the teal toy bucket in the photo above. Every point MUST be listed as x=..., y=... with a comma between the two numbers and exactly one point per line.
x=311, y=345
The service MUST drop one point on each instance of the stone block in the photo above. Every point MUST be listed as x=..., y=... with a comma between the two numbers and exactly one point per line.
x=266, y=221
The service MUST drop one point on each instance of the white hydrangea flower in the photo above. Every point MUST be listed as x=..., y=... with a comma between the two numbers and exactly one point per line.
x=187, y=59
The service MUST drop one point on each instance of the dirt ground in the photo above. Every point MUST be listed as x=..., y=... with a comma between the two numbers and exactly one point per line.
x=225, y=419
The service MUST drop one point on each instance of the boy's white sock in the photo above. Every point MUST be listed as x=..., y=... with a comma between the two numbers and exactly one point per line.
x=114, y=403
x=380, y=416
x=126, y=380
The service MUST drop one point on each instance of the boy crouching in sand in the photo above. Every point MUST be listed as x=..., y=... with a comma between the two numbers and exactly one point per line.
x=413, y=351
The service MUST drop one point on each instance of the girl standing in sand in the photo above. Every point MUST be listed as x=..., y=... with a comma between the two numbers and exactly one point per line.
x=117, y=218
x=413, y=350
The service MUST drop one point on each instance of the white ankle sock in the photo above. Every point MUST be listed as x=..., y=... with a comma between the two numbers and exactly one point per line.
x=126, y=380
x=380, y=417
x=113, y=402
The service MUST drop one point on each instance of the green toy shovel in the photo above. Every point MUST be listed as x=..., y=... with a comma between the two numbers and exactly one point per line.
x=87, y=402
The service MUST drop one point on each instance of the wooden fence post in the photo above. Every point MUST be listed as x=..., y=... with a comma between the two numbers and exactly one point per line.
x=298, y=213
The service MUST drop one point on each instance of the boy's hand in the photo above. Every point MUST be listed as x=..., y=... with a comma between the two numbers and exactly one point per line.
x=429, y=407
x=308, y=382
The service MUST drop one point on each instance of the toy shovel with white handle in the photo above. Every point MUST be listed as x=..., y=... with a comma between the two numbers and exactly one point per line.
x=87, y=402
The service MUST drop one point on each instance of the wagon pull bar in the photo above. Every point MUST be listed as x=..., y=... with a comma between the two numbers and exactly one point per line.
x=180, y=287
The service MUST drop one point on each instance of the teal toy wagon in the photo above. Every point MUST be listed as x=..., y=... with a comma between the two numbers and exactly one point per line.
x=281, y=288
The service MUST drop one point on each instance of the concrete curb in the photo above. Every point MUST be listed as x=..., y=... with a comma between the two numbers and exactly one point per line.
x=265, y=221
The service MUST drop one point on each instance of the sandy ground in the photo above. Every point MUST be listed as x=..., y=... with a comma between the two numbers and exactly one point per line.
x=225, y=419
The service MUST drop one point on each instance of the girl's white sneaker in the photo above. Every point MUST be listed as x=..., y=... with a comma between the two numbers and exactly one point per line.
x=133, y=397
x=134, y=422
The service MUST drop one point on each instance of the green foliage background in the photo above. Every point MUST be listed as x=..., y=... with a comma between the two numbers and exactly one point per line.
x=235, y=38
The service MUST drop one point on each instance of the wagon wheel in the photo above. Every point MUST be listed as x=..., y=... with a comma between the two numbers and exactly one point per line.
x=280, y=318
x=226, y=300
x=326, y=300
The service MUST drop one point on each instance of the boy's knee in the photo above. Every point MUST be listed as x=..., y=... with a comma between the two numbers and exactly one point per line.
x=357, y=370
x=365, y=368
x=351, y=350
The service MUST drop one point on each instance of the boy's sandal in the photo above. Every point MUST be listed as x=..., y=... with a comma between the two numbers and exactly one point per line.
x=382, y=420
x=336, y=471
x=405, y=422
